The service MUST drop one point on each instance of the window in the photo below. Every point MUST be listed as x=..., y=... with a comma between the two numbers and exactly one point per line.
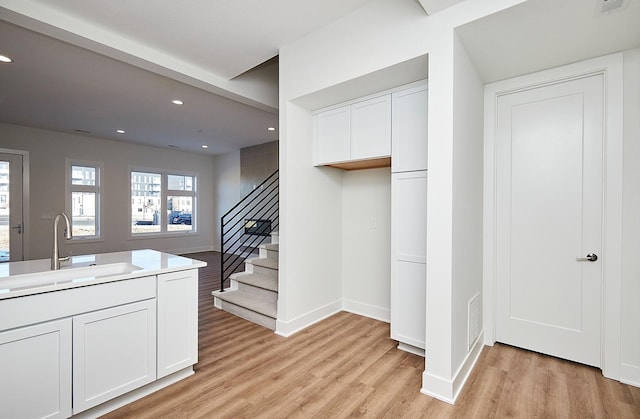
x=162, y=202
x=83, y=198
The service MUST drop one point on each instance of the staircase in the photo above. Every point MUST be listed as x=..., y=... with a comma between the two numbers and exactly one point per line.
x=253, y=294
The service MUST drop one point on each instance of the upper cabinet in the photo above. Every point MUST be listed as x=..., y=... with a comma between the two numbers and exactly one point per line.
x=409, y=130
x=354, y=132
x=333, y=136
x=371, y=128
x=388, y=129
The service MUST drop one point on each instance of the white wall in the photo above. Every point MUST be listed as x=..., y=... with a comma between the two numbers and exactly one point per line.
x=47, y=153
x=630, y=327
x=310, y=274
x=366, y=242
x=377, y=36
x=468, y=159
x=226, y=189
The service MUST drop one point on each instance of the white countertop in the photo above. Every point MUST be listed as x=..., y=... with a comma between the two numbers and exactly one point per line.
x=18, y=279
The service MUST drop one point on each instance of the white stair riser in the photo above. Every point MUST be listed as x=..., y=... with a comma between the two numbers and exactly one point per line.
x=246, y=314
x=261, y=293
x=275, y=238
x=269, y=254
x=250, y=267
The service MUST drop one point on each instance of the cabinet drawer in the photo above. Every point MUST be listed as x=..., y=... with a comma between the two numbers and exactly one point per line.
x=23, y=311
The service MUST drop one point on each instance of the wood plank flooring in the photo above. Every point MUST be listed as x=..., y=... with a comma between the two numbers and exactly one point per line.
x=346, y=366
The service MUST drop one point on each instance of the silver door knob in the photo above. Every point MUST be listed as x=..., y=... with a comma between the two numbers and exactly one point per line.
x=591, y=257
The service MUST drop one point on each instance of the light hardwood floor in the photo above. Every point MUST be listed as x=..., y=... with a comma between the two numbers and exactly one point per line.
x=346, y=366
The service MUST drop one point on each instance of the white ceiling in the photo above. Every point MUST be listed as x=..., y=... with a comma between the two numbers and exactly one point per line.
x=99, y=66
x=83, y=65
x=541, y=34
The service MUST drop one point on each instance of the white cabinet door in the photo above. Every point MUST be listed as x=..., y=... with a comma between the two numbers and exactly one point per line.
x=177, y=321
x=371, y=128
x=114, y=352
x=409, y=130
x=408, y=310
x=408, y=259
x=409, y=216
x=332, y=136
x=35, y=371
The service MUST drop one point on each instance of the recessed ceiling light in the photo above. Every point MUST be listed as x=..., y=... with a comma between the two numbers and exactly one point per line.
x=271, y=129
x=120, y=131
x=5, y=59
x=204, y=146
x=177, y=102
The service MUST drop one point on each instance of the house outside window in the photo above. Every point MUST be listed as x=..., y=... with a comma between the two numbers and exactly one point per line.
x=162, y=202
x=83, y=198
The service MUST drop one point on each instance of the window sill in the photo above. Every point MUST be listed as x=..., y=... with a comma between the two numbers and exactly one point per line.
x=163, y=235
x=82, y=240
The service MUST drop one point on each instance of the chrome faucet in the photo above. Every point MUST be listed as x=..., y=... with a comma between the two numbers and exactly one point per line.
x=55, y=257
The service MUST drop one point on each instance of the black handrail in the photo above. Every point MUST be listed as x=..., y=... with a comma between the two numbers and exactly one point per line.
x=237, y=240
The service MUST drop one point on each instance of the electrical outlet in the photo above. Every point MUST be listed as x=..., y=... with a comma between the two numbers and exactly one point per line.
x=373, y=224
x=47, y=216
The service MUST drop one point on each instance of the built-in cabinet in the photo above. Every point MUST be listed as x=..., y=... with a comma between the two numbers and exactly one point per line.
x=408, y=259
x=354, y=132
x=106, y=340
x=409, y=129
x=409, y=218
x=392, y=123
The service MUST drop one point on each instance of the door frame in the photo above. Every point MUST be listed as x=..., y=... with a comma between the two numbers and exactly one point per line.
x=611, y=67
x=26, y=220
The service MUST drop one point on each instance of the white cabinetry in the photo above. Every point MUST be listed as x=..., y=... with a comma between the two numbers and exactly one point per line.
x=353, y=132
x=36, y=371
x=333, y=135
x=409, y=218
x=409, y=129
x=177, y=321
x=114, y=352
x=371, y=128
x=408, y=259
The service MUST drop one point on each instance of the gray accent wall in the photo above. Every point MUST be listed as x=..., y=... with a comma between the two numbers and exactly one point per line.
x=256, y=164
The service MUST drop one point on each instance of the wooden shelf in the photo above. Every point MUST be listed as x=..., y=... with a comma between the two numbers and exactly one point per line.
x=363, y=164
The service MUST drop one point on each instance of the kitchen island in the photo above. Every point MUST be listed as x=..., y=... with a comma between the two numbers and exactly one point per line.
x=102, y=331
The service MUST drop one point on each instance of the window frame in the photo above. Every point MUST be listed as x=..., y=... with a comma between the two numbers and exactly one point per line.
x=164, y=194
x=97, y=189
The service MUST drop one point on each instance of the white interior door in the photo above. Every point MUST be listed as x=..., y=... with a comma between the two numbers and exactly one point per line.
x=549, y=189
x=11, y=218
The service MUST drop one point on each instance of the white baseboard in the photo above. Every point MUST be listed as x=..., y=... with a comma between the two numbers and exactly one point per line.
x=449, y=390
x=287, y=329
x=367, y=310
x=630, y=374
x=118, y=402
